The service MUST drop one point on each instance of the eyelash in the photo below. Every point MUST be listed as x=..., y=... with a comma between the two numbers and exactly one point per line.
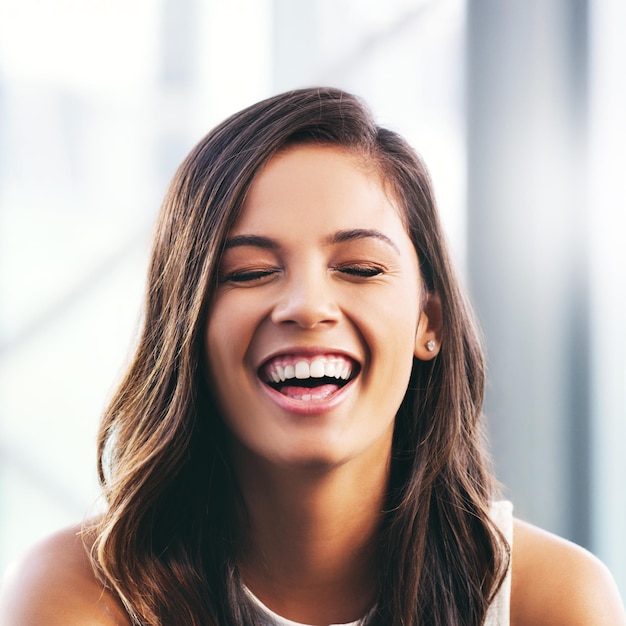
x=360, y=271
x=249, y=276
x=355, y=271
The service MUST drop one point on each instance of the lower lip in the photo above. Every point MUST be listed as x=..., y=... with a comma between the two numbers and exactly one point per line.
x=311, y=406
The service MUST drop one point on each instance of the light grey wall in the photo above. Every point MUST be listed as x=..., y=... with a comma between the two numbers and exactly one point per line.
x=527, y=248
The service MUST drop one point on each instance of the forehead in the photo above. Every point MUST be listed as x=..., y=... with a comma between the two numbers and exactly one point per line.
x=312, y=187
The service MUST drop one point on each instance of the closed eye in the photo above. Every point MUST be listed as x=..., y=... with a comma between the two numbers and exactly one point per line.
x=249, y=276
x=360, y=270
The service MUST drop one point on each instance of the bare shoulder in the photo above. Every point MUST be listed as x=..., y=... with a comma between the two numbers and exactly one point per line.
x=53, y=584
x=557, y=583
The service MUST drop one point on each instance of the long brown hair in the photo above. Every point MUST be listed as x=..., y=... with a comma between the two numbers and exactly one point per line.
x=168, y=542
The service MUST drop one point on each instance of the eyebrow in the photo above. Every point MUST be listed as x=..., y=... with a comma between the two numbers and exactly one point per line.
x=256, y=241
x=342, y=236
x=362, y=233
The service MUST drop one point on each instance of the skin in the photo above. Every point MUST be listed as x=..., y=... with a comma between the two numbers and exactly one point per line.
x=54, y=584
x=313, y=473
x=319, y=263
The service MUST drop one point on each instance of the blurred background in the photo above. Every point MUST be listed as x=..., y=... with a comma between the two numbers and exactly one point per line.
x=518, y=109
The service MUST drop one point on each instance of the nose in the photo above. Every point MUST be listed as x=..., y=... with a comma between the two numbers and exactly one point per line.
x=306, y=301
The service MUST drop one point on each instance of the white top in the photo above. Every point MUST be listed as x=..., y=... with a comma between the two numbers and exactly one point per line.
x=499, y=611
x=273, y=619
x=497, y=614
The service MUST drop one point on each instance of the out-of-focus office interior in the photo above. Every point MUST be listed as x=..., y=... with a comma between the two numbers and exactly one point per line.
x=518, y=109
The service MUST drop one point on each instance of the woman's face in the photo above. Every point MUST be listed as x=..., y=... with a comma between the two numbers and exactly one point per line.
x=311, y=337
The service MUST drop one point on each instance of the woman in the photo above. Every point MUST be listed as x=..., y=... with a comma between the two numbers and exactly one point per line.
x=298, y=438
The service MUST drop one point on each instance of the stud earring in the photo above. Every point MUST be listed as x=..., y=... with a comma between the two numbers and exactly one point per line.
x=430, y=346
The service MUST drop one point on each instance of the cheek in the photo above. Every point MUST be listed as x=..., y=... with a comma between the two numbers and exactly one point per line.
x=222, y=352
x=221, y=346
x=228, y=323
x=391, y=340
x=229, y=338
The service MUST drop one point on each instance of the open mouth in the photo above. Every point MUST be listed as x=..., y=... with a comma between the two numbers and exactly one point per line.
x=309, y=378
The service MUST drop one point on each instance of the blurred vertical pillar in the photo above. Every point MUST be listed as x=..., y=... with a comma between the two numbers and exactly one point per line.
x=527, y=254
x=607, y=226
x=177, y=76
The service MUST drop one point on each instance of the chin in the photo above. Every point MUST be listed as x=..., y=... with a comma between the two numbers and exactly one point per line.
x=320, y=458
x=318, y=461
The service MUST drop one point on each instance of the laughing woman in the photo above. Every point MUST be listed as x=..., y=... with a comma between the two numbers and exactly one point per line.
x=298, y=439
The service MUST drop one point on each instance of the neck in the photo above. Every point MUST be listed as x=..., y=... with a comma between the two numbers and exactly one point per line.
x=310, y=554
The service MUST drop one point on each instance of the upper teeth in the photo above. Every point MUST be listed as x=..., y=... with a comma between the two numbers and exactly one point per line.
x=318, y=367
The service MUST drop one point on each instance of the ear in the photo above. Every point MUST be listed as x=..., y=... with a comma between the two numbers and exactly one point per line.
x=429, y=329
